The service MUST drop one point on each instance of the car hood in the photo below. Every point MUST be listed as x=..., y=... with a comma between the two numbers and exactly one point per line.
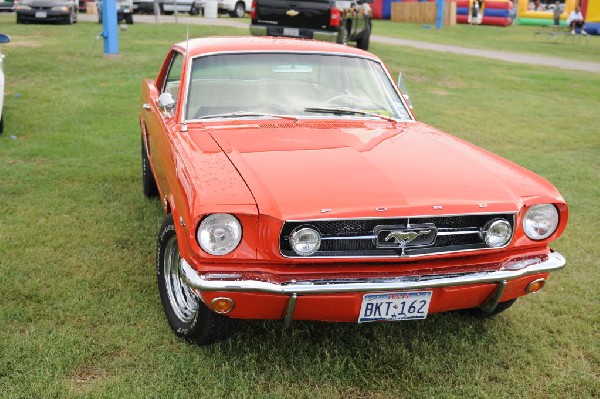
x=300, y=170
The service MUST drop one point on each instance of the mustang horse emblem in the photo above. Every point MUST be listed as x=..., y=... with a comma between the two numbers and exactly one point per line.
x=403, y=237
x=292, y=13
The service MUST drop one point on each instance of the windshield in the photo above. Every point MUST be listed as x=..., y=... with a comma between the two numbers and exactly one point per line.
x=291, y=84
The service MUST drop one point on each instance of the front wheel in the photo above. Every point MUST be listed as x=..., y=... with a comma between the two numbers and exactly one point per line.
x=238, y=11
x=187, y=315
x=129, y=19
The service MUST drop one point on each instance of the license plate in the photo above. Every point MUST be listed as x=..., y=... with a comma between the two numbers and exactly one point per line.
x=41, y=14
x=391, y=306
x=291, y=31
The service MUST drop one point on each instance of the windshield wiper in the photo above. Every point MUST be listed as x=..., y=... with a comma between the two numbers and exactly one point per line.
x=348, y=111
x=246, y=113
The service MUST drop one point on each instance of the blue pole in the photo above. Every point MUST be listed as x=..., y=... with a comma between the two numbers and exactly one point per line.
x=439, y=20
x=110, y=32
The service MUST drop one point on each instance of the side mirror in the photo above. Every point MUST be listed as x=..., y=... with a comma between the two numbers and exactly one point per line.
x=404, y=89
x=166, y=103
x=4, y=38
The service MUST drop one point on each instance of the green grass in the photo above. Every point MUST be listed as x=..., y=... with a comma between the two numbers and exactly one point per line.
x=518, y=39
x=79, y=309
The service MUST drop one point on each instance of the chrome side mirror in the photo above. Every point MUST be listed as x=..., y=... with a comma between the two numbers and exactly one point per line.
x=404, y=89
x=4, y=38
x=166, y=103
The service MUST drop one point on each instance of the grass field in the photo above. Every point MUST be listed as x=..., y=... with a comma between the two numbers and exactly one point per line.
x=80, y=314
x=519, y=39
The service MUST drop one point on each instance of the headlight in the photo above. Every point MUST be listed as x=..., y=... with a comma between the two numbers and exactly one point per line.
x=540, y=221
x=22, y=7
x=305, y=241
x=62, y=8
x=497, y=233
x=219, y=234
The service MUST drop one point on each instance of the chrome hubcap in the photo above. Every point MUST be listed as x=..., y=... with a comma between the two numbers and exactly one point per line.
x=183, y=301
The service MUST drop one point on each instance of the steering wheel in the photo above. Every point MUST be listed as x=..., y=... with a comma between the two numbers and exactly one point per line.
x=353, y=101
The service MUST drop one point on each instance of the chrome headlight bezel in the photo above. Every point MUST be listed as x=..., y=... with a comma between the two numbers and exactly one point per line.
x=305, y=240
x=219, y=234
x=540, y=221
x=497, y=233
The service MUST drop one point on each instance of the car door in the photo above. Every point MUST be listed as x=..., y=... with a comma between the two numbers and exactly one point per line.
x=162, y=127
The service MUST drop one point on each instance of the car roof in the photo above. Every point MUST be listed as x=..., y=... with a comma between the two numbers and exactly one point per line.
x=226, y=44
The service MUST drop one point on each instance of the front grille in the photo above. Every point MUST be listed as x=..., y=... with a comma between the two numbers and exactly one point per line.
x=358, y=237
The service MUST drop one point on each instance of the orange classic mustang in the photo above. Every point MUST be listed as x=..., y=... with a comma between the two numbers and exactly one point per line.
x=298, y=185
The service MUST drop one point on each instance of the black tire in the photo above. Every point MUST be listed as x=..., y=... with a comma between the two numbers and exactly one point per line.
x=129, y=19
x=19, y=20
x=1, y=124
x=194, y=10
x=100, y=17
x=365, y=38
x=148, y=183
x=70, y=19
x=480, y=314
x=187, y=315
x=238, y=11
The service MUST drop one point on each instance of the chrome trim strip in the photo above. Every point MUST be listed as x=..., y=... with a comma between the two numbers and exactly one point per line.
x=539, y=264
x=440, y=233
x=403, y=217
x=458, y=232
x=377, y=257
x=350, y=238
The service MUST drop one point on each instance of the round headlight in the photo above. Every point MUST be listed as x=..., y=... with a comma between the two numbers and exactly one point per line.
x=540, y=221
x=305, y=241
x=219, y=234
x=497, y=233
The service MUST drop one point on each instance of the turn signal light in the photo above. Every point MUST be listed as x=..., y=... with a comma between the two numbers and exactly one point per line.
x=222, y=305
x=535, y=285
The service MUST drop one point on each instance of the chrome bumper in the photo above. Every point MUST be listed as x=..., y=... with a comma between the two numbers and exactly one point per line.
x=236, y=282
x=325, y=36
x=510, y=271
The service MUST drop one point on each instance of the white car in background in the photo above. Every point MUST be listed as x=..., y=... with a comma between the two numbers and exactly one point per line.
x=235, y=8
x=3, y=39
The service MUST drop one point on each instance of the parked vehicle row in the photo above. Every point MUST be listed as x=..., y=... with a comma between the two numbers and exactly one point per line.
x=235, y=8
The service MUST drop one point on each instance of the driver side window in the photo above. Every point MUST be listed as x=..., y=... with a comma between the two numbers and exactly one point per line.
x=172, y=82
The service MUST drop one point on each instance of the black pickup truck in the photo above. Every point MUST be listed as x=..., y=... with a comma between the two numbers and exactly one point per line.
x=335, y=21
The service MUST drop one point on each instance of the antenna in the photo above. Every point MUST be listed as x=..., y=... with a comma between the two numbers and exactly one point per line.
x=187, y=54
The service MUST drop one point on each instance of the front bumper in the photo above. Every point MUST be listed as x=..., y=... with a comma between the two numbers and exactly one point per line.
x=263, y=30
x=43, y=16
x=492, y=284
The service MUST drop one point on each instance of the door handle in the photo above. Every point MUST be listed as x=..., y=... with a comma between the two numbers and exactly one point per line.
x=147, y=107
